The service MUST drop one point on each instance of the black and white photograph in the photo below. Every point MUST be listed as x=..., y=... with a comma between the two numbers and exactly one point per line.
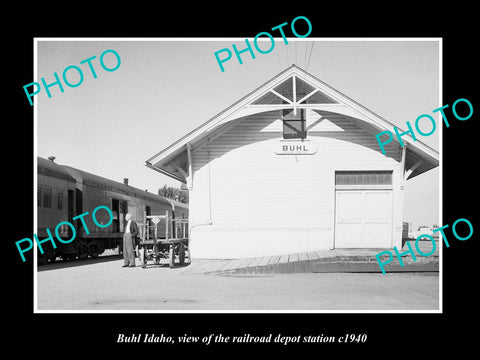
x=239, y=193
x=284, y=185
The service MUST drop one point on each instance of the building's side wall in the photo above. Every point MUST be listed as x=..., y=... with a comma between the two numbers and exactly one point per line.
x=249, y=201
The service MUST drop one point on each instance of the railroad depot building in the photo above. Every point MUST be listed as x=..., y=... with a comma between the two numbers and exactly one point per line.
x=293, y=167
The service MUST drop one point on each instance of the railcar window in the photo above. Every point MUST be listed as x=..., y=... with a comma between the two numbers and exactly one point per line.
x=47, y=197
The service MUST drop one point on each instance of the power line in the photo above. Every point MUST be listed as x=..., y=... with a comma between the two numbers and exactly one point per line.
x=296, y=52
x=286, y=49
x=278, y=58
x=311, y=50
x=306, y=43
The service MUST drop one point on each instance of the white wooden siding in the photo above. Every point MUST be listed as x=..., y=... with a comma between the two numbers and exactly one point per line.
x=262, y=203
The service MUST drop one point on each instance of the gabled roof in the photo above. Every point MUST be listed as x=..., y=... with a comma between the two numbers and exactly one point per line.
x=292, y=88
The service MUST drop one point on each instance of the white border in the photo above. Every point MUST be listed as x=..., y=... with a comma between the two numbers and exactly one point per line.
x=386, y=39
x=440, y=172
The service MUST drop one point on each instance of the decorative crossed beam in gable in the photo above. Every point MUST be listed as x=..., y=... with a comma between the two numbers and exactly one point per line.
x=294, y=93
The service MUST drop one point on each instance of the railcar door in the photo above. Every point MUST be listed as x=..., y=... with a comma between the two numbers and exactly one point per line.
x=119, y=210
x=70, y=203
x=78, y=206
x=148, y=212
x=123, y=209
x=115, y=223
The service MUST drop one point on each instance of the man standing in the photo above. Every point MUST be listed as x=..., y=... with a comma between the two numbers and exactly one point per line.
x=131, y=232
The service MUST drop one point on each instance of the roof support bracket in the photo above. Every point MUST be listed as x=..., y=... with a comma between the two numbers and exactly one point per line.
x=402, y=166
x=412, y=169
x=180, y=170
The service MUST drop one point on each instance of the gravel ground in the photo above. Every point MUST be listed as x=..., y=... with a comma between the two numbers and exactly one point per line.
x=105, y=285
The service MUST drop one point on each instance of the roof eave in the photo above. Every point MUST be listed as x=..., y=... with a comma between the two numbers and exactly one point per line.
x=164, y=172
x=161, y=158
x=177, y=145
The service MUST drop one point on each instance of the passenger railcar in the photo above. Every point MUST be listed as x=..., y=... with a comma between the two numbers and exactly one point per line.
x=83, y=192
x=55, y=203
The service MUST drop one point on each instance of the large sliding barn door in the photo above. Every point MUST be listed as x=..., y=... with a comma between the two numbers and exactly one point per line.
x=363, y=212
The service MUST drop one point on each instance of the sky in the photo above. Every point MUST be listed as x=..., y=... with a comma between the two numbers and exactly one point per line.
x=163, y=89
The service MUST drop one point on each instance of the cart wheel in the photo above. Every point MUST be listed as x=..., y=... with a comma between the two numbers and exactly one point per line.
x=181, y=253
x=171, y=256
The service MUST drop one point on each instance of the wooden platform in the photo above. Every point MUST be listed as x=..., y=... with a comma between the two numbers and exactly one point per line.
x=338, y=260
